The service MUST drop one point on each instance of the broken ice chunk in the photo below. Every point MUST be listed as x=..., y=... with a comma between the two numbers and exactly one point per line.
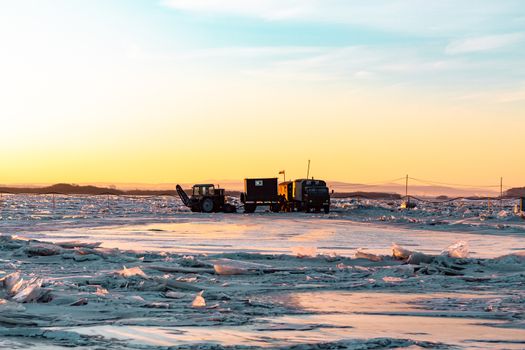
x=42, y=249
x=158, y=305
x=134, y=271
x=13, y=282
x=77, y=244
x=457, y=250
x=417, y=258
x=390, y=279
x=399, y=252
x=101, y=291
x=32, y=291
x=174, y=295
x=236, y=267
x=369, y=256
x=80, y=302
x=199, y=301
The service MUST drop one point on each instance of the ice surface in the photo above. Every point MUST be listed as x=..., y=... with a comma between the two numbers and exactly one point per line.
x=145, y=273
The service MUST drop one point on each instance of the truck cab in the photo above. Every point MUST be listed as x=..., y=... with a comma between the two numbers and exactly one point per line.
x=310, y=194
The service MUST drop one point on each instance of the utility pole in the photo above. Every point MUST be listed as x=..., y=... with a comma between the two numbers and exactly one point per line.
x=501, y=192
x=308, y=171
x=406, y=189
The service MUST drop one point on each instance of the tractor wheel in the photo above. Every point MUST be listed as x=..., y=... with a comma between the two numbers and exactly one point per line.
x=326, y=209
x=249, y=208
x=207, y=205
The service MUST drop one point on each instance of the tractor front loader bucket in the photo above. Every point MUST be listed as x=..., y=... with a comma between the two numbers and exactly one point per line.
x=183, y=196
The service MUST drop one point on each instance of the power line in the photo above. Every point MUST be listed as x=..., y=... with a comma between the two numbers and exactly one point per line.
x=377, y=183
x=430, y=182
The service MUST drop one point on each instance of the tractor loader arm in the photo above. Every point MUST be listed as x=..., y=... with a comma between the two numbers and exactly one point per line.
x=183, y=196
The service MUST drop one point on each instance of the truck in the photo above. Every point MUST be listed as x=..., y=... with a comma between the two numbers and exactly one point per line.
x=297, y=195
x=206, y=198
x=260, y=192
x=304, y=195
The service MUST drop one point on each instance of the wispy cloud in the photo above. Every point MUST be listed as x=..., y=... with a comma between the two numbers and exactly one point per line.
x=351, y=63
x=503, y=95
x=483, y=43
x=416, y=17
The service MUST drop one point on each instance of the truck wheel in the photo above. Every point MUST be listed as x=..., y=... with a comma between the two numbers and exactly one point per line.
x=249, y=208
x=207, y=205
x=326, y=209
x=274, y=208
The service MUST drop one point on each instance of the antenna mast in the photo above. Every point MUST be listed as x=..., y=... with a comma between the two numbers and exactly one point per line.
x=308, y=171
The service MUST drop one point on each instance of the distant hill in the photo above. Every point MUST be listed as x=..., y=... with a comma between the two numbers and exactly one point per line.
x=413, y=189
x=233, y=188
x=78, y=189
x=516, y=192
x=367, y=195
x=95, y=190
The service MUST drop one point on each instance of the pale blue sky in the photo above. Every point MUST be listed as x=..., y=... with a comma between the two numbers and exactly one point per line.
x=470, y=47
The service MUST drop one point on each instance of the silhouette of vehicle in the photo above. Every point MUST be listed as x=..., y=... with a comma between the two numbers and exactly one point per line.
x=304, y=195
x=206, y=198
x=261, y=192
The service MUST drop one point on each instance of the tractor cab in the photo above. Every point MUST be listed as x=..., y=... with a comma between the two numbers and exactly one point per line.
x=201, y=190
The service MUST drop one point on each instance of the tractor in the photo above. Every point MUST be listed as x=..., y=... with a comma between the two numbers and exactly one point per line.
x=206, y=198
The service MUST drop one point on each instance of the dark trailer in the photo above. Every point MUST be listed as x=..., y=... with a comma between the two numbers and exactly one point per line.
x=260, y=192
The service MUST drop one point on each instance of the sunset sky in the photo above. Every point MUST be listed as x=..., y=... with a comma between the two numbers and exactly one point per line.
x=151, y=91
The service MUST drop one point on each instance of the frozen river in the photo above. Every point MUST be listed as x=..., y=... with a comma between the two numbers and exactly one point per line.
x=145, y=273
x=276, y=234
